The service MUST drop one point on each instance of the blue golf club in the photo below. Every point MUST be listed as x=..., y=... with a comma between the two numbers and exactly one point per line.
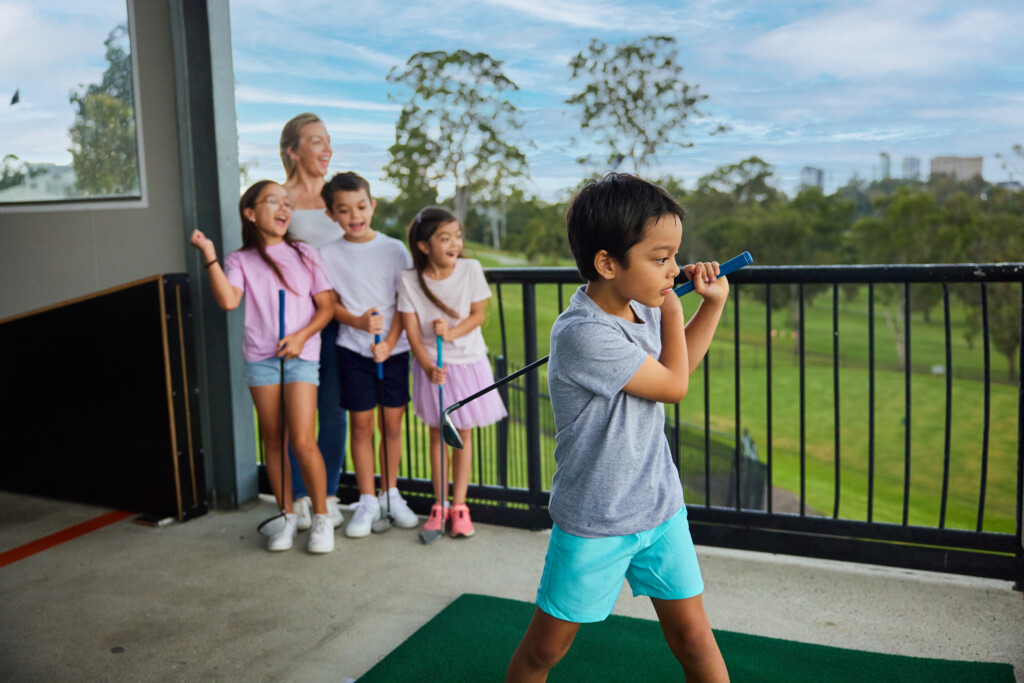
x=427, y=537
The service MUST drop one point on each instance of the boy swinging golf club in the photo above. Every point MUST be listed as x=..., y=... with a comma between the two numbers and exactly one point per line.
x=621, y=350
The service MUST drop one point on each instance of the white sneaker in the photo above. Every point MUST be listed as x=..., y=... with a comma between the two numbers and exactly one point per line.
x=283, y=537
x=401, y=515
x=334, y=511
x=303, y=512
x=321, y=540
x=362, y=520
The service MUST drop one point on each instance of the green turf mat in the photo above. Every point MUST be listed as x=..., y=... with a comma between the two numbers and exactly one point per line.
x=473, y=638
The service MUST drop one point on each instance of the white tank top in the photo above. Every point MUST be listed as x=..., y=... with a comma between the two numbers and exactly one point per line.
x=314, y=227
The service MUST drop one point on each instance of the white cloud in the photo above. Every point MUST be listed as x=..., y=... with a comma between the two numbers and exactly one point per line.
x=880, y=38
x=251, y=95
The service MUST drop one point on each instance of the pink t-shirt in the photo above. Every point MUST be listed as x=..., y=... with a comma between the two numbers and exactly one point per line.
x=247, y=270
x=466, y=285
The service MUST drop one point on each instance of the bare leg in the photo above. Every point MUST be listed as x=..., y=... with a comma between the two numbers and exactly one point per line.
x=392, y=436
x=361, y=428
x=462, y=465
x=689, y=636
x=440, y=488
x=268, y=409
x=300, y=415
x=546, y=641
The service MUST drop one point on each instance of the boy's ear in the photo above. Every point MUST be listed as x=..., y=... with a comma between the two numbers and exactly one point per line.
x=373, y=205
x=605, y=265
x=423, y=246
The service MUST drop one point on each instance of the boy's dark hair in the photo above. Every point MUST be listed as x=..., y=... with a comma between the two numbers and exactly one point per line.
x=612, y=214
x=349, y=181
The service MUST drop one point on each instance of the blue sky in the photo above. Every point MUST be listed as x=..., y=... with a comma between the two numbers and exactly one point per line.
x=825, y=84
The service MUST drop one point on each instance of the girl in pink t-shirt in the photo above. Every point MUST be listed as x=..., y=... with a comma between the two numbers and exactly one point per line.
x=444, y=295
x=271, y=260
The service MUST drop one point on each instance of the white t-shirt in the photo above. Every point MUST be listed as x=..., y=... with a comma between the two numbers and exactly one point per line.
x=465, y=286
x=365, y=275
x=314, y=227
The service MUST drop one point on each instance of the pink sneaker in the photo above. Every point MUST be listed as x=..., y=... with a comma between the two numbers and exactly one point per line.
x=434, y=522
x=461, y=524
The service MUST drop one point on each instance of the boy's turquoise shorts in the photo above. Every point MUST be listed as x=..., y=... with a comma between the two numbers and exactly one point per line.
x=583, y=576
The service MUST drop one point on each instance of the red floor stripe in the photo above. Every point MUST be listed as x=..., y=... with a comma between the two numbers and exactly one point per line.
x=69, y=534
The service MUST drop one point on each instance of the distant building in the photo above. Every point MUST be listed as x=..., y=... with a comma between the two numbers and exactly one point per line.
x=812, y=177
x=957, y=168
x=911, y=168
x=886, y=165
x=1011, y=185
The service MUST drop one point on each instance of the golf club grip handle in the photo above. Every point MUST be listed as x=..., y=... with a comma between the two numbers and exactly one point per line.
x=730, y=266
x=376, y=340
x=440, y=361
x=280, y=313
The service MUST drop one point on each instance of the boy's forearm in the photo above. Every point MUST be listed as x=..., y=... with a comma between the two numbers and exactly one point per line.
x=674, y=343
x=396, y=330
x=343, y=315
x=701, y=330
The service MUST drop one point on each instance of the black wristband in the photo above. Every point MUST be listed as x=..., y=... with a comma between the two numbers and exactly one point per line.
x=211, y=263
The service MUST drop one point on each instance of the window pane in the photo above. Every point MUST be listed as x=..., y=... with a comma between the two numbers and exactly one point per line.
x=67, y=111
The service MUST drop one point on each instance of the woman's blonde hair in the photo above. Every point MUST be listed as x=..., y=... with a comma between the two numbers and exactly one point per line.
x=290, y=137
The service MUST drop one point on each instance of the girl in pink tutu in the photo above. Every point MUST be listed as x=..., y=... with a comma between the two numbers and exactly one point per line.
x=444, y=295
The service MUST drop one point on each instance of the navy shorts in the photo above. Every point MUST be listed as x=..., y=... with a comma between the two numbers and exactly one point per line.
x=358, y=375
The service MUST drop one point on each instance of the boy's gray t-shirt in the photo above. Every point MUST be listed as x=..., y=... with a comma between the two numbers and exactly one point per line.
x=614, y=471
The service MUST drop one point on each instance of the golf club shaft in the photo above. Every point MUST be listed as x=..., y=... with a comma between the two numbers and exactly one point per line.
x=440, y=405
x=280, y=330
x=386, y=483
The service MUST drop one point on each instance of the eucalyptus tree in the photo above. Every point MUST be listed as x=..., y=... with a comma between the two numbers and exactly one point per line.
x=456, y=125
x=634, y=101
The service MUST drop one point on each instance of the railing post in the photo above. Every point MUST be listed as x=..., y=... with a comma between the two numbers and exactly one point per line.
x=501, y=368
x=532, y=397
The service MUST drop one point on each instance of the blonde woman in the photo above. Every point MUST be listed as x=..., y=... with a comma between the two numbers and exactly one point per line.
x=306, y=153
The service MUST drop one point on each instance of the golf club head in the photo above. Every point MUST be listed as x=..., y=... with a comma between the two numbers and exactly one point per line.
x=448, y=431
x=381, y=525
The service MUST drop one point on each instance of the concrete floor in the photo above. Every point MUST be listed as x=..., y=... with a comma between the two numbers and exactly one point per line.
x=204, y=601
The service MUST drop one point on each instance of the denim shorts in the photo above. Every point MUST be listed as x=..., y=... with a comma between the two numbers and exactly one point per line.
x=583, y=577
x=260, y=373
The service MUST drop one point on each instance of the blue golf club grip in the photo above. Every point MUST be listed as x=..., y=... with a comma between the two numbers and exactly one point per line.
x=280, y=302
x=733, y=264
x=376, y=340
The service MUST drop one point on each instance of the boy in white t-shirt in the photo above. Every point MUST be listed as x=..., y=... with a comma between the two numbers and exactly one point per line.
x=364, y=266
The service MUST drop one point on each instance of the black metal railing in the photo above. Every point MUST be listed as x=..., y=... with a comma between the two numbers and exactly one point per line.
x=836, y=490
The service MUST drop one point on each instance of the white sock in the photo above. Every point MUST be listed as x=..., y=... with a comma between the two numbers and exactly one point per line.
x=393, y=493
x=368, y=499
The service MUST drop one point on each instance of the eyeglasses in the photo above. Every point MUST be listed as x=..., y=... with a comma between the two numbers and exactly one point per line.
x=277, y=202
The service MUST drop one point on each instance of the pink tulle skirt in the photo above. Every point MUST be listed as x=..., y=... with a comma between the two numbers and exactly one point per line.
x=460, y=381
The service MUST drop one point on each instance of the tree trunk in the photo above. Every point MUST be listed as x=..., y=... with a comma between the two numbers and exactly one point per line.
x=461, y=204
